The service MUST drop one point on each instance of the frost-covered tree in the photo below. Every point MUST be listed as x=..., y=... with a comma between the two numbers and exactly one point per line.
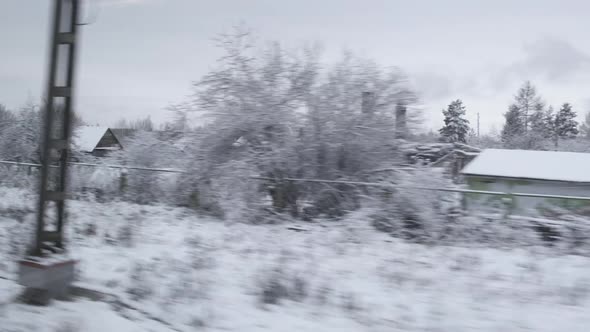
x=252, y=97
x=279, y=113
x=250, y=104
x=122, y=123
x=585, y=127
x=528, y=124
x=456, y=126
x=345, y=139
x=340, y=141
x=513, y=127
x=20, y=139
x=180, y=121
x=542, y=133
x=7, y=122
x=566, y=125
x=147, y=150
x=7, y=118
x=144, y=124
x=526, y=101
x=488, y=141
x=542, y=123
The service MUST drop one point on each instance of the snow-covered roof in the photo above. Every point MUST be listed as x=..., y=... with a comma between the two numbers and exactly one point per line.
x=526, y=164
x=86, y=138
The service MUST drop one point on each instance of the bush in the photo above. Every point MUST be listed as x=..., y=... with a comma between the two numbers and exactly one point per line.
x=68, y=326
x=323, y=293
x=276, y=284
x=335, y=201
x=239, y=197
x=414, y=214
x=273, y=288
x=140, y=287
x=125, y=235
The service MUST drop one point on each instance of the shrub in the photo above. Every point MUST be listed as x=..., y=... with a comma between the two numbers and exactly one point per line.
x=139, y=283
x=276, y=284
x=414, y=214
x=68, y=326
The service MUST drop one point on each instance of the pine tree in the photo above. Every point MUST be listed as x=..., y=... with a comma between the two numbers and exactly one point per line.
x=542, y=123
x=537, y=122
x=585, y=127
x=549, y=121
x=513, y=127
x=456, y=126
x=527, y=102
x=6, y=118
x=566, y=125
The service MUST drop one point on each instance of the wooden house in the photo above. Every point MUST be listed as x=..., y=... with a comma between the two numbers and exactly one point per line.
x=95, y=140
x=550, y=173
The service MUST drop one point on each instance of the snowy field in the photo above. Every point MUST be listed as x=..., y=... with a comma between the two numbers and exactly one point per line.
x=166, y=269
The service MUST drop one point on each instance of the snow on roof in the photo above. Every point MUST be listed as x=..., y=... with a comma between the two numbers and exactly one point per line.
x=541, y=165
x=86, y=138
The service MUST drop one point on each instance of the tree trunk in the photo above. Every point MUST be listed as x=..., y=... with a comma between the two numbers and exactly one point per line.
x=284, y=197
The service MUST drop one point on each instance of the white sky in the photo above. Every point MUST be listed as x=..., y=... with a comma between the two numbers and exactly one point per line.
x=141, y=55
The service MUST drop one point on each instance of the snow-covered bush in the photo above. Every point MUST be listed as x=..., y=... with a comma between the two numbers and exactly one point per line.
x=350, y=302
x=98, y=183
x=18, y=176
x=140, y=283
x=125, y=235
x=566, y=234
x=202, y=317
x=323, y=293
x=19, y=237
x=189, y=282
x=68, y=325
x=329, y=200
x=273, y=286
x=239, y=197
x=576, y=293
x=149, y=151
x=415, y=214
x=196, y=192
x=277, y=283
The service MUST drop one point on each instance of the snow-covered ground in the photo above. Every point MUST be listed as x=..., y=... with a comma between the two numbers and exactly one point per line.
x=171, y=270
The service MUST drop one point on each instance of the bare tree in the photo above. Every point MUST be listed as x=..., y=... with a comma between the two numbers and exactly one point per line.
x=144, y=124
x=122, y=124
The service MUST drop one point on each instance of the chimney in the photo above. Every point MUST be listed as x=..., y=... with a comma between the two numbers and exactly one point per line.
x=368, y=102
x=400, y=120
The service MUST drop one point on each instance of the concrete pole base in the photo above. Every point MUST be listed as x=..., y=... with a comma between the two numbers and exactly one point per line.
x=45, y=280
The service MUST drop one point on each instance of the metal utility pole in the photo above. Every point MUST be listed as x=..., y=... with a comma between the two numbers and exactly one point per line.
x=46, y=279
x=477, y=124
x=57, y=126
x=368, y=102
x=400, y=120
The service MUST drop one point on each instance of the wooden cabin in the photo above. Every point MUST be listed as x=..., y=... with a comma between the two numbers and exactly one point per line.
x=98, y=141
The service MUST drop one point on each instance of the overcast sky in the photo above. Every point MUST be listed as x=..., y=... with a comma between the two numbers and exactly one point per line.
x=141, y=55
